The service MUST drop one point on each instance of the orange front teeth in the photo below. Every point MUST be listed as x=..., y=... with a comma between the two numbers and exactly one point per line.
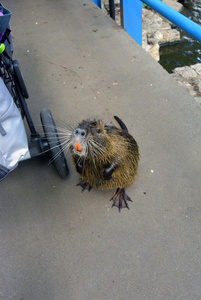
x=78, y=147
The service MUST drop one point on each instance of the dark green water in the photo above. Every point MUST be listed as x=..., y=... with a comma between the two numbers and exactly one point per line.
x=188, y=50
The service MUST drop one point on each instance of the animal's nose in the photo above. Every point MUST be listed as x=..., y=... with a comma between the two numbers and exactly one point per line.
x=80, y=132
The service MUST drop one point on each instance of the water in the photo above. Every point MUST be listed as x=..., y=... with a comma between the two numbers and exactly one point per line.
x=188, y=50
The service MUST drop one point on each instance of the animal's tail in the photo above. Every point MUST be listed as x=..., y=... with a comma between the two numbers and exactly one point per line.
x=121, y=123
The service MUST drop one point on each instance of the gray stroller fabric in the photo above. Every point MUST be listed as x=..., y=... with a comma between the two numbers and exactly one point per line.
x=13, y=139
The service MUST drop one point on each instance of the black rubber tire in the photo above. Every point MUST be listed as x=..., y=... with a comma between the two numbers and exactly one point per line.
x=50, y=131
x=20, y=79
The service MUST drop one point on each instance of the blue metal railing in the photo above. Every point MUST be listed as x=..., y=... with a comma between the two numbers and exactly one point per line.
x=132, y=18
x=175, y=17
x=131, y=15
x=98, y=3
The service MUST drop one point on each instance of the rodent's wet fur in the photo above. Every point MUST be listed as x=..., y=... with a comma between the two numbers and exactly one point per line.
x=106, y=157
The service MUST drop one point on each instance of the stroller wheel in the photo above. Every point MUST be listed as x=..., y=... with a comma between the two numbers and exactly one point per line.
x=57, y=154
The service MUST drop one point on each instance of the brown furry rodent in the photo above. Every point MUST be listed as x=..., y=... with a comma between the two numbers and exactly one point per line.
x=106, y=157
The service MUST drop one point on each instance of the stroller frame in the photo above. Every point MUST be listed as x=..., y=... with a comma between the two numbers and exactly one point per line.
x=49, y=145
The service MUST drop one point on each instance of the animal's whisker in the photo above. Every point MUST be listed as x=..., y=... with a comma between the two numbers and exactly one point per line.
x=60, y=146
x=61, y=139
x=59, y=134
x=97, y=145
x=96, y=148
x=53, y=134
x=91, y=152
x=69, y=127
x=64, y=124
x=83, y=166
x=93, y=143
x=58, y=129
x=55, y=156
x=62, y=149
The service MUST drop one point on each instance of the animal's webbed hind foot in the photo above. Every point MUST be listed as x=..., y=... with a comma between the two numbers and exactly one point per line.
x=120, y=199
x=84, y=185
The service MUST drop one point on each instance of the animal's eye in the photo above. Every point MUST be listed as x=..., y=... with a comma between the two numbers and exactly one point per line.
x=83, y=133
x=98, y=130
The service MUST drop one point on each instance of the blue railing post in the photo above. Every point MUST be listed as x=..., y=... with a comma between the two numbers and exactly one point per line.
x=98, y=3
x=132, y=18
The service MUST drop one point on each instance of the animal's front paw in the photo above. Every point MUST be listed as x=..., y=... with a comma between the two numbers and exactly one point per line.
x=84, y=185
x=107, y=175
x=109, y=170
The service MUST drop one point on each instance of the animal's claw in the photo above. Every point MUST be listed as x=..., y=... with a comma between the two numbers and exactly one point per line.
x=84, y=185
x=120, y=199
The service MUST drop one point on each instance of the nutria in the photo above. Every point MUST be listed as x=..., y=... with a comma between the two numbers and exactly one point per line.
x=106, y=157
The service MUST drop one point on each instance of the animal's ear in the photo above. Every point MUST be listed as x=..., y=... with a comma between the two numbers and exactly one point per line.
x=94, y=122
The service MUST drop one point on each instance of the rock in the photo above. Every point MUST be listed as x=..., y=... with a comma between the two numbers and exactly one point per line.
x=154, y=52
x=190, y=78
x=173, y=4
x=154, y=37
x=169, y=36
x=151, y=21
x=197, y=68
x=186, y=72
x=198, y=85
x=187, y=86
x=156, y=31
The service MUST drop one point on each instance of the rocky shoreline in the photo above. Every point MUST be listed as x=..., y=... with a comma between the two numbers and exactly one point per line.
x=158, y=32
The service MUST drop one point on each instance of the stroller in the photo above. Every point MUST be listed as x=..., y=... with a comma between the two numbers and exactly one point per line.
x=14, y=145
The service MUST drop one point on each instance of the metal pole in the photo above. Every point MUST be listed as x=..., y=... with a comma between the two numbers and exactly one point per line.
x=175, y=17
x=112, y=9
x=121, y=13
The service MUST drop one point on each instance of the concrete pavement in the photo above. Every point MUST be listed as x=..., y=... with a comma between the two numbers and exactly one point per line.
x=58, y=243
